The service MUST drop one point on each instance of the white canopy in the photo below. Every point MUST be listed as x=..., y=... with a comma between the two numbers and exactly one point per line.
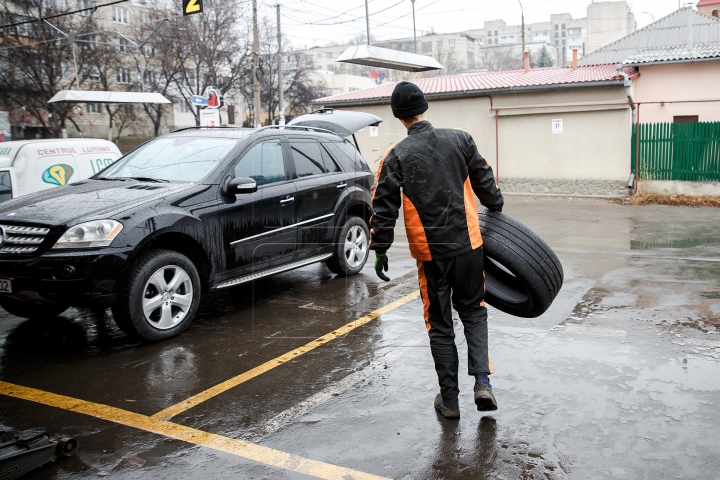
x=387, y=58
x=96, y=96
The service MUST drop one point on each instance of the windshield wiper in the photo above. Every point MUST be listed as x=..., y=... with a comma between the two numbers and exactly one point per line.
x=148, y=179
x=112, y=179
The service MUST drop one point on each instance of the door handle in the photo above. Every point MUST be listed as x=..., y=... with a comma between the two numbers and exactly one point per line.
x=341, y=185
x=287, y=201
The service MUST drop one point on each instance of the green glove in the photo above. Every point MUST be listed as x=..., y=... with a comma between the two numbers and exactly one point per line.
x=381, y=263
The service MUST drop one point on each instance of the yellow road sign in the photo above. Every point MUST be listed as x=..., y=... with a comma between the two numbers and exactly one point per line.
x=192, y=6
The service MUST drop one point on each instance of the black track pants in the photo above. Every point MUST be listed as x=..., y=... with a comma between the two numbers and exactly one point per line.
x=459, y=280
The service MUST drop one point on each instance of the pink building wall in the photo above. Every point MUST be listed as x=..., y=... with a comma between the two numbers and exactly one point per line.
x=676, y=82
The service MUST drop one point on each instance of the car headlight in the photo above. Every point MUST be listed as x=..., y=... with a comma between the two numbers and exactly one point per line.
x=98, y=233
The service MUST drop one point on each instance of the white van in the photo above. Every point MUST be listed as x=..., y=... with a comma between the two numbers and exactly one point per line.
x=28, y=166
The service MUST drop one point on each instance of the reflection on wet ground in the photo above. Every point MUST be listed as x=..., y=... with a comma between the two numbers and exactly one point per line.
x=620, y=378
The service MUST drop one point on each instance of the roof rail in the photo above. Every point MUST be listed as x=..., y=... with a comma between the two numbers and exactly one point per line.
x=301, y=127
x=198, y=128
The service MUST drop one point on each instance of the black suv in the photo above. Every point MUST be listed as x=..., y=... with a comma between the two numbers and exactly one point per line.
x=193, y=211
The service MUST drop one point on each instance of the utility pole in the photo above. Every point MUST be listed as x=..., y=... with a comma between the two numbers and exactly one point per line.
x=367, y=21
x=281, y=100
x=414, y=32
x=522, y=13
x=256, y=65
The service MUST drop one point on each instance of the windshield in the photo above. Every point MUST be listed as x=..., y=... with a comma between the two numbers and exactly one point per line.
x=173, y=159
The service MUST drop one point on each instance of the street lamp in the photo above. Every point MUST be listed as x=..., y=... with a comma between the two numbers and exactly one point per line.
x=414, y=33
x=651, y=15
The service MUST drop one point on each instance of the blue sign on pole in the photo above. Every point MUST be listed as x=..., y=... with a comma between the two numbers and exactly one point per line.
x=199, y=100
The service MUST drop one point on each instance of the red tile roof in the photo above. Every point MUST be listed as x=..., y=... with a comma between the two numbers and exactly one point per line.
x=488, y=81
x=707, y=3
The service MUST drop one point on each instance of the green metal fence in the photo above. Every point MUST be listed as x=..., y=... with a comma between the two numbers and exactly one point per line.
x=678, y=151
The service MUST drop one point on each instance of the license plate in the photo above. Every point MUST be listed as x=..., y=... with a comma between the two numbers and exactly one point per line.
x=5, y=285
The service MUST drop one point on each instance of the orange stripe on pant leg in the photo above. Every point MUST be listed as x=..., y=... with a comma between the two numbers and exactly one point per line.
x=423, y=293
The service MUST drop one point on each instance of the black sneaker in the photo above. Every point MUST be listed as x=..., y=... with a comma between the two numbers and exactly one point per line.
x=484, y=398
x=448, y=410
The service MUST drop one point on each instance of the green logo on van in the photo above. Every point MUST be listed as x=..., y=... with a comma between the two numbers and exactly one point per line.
x=5, y=151
x=58, y=174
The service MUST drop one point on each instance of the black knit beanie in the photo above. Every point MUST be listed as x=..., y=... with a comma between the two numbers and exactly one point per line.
x=407, y=100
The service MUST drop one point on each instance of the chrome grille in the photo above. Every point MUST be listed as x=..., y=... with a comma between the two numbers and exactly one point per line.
x=21, y=240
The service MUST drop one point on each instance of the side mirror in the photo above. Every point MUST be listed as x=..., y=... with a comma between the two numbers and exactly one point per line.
x=241, y=185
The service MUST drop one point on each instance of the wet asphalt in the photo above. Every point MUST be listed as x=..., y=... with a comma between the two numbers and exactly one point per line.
x=619, y=379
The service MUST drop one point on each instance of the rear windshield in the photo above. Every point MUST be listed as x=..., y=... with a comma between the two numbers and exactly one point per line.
x=5, y=186
x=175, y=159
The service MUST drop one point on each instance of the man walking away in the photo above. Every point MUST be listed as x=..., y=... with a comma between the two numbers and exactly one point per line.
x=433, y=174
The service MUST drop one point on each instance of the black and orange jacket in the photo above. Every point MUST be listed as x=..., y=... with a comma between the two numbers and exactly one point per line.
x=433, y=172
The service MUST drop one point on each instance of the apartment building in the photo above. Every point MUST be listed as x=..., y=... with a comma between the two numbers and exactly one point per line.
x=605, y=23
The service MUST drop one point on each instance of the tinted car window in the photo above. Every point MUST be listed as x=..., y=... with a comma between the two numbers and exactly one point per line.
x=348, y=155
x=263, y=163
x=331, y=164
x=5, y=186
x=173, y=158
x=307, y=156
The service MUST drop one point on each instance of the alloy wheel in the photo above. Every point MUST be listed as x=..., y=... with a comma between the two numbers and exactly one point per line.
x=356, y=246
x=167, y=297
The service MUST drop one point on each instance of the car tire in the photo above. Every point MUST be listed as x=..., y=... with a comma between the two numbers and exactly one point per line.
x=23, y=309
x=159, y=296
x=350, y=248
x=522, y=273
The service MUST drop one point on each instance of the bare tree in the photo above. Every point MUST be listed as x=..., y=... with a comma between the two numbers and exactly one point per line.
x=499, y=59
x=299, y=85
x=37, y=61
x=214, y=49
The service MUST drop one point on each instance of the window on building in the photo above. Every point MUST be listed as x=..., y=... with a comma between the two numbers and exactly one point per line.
x=453, y=69
x=556, y=26
x=557, y=35
x=85, y=4
x=557, y=42
x=121, y=15
x=686, y=119
x=93, y=73
x=451, y=43
x=427, y=47
x=329, y=55
x=496, y=33
x=319, y=56
x=329, y=67
x=453, y=56
x=122, y=45
x=563, y=43
x=439, y=44
x=92, y=107
x=715, y=13
x=123, y=76
x=440, y=57
x=575, y=31
x=563, y=26
x=145, y=19
x=150, y=77
x=563, y=34
x=183, y=107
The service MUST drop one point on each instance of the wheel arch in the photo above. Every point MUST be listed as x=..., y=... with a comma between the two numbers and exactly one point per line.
x=181, y=243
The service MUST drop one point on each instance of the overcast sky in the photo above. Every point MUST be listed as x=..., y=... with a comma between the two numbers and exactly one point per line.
x=318, y=22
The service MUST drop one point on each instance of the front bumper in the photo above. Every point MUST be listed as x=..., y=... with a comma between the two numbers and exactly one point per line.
x=79, y=278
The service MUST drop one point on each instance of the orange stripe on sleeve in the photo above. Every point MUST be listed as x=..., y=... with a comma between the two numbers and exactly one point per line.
x=471, y=215
x=419, y=248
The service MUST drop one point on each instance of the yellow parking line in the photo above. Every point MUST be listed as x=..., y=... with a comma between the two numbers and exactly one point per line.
x=275, y=362
x=240, y=448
